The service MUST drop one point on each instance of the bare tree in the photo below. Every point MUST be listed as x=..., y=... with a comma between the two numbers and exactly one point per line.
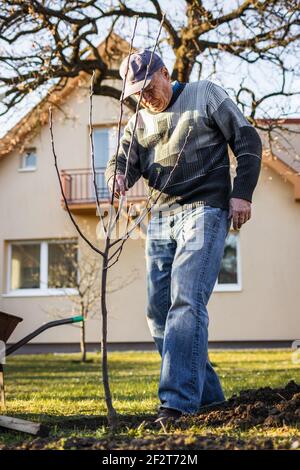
x=61, y=40
x=83, y=275
x=80, y=271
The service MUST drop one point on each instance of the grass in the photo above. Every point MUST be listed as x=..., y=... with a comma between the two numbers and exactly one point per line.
x=57, y=389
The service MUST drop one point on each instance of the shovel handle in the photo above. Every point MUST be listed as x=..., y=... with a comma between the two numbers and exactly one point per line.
x=46, y=326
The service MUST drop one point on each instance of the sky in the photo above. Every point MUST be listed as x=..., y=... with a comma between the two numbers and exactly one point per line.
x=262, y=78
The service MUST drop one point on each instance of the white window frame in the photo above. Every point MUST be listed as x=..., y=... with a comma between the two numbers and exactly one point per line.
x=112, y=128
x=24, y=168
x=234, y=287
x=42, y=290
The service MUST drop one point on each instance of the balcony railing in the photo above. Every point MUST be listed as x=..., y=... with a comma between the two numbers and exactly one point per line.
x=79, y=189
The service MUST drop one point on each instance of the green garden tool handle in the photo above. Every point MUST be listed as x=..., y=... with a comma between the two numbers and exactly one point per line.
x=46, y=326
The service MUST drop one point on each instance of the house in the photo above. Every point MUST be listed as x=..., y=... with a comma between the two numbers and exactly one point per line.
x=256, y=298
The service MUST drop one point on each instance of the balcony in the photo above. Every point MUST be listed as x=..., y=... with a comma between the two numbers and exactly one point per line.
x=79, y=190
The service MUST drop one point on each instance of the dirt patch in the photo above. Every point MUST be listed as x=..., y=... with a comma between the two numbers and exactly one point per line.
x=266, y=407
x=269, y=407
x=161, y=442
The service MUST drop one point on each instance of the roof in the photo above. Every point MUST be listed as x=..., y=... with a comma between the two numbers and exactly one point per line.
x=283, y=156
x=286, y=143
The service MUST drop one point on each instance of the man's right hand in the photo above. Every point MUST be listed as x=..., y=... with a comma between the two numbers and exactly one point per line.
x=120, y=185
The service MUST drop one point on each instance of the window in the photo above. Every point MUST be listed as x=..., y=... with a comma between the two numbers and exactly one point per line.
x=25, y=266
x=229, y=278
x=42, y=268
x=62, y=259
x=105, y=141
x=28, y=160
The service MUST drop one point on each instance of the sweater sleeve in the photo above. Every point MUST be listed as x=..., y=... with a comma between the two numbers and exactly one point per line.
x=133, y=172
x=242, y=138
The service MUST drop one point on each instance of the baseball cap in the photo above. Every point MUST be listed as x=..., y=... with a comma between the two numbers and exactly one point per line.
x=137, y=68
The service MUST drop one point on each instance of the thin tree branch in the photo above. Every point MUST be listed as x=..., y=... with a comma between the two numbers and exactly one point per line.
x=62, y=191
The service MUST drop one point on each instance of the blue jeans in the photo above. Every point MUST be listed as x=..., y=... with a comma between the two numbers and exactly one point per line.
x=183, y=257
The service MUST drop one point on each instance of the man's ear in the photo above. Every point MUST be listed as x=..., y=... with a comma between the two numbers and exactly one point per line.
x=165, y=72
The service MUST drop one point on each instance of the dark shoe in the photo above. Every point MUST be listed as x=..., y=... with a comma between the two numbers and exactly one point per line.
x=167, y=417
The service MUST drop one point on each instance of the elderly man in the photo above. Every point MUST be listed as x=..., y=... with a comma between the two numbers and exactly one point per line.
x=180, y=147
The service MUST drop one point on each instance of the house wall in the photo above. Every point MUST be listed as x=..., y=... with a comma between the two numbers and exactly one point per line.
x=267, y=307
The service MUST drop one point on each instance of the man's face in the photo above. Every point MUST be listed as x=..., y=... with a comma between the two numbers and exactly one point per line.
x=157, y=95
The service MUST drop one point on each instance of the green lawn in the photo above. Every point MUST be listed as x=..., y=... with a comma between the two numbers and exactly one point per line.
x=58, y=390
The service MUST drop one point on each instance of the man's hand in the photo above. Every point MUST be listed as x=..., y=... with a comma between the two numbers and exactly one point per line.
x=240, y=211
x=120, y=185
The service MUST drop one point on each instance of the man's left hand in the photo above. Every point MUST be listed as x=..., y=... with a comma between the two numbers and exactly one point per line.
x=240, y=211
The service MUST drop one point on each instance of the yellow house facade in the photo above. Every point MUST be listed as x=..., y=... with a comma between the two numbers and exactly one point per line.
x=257, y=296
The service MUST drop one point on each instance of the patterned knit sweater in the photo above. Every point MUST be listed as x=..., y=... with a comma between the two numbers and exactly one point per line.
x=203, y=111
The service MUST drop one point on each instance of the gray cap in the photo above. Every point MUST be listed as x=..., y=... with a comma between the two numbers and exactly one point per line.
x=138, y=63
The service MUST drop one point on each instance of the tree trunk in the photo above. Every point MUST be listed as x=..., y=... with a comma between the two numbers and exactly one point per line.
x=112, y=414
